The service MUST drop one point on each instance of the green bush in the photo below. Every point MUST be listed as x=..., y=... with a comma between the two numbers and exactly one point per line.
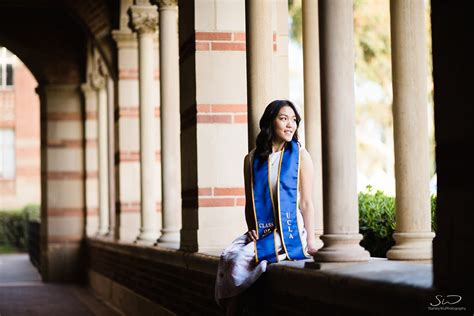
x=14, y=226
x=433, y=213
x=13, y=229
x=32, y=212
x=377, y=221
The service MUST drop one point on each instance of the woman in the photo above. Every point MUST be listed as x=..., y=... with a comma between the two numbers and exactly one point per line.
x=278, y=210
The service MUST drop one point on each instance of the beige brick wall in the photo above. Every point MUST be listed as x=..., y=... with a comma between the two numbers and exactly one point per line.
x=63, y=207
x=214, y=142
x=213, y=203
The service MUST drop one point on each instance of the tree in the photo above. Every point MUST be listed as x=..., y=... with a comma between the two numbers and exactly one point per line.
x=373, y=66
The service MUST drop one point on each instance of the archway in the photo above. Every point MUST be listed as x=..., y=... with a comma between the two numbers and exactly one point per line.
x=52, y=39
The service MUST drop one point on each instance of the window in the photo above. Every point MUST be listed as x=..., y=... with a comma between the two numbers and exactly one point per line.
x=7, y=153
x=6, y=68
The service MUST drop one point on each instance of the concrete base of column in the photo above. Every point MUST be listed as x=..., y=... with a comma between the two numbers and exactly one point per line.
x=147, y=238
x=341, y=248
x=102, y=232
x=412, y=246
x=169, y=235
x=319, y=242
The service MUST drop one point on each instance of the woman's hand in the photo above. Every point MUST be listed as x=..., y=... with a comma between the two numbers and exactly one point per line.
x=312, y=249
x=252, y=234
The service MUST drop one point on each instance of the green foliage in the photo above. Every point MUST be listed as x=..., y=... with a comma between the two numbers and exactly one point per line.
x=371, y=38
x=32, y=212
x=7, y=249
x=296, y=14
x=377, y=220
x=372, y=42
x=14, y=228
x=434, y=207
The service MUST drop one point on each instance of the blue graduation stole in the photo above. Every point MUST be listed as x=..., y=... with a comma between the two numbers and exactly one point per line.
x=266, y=213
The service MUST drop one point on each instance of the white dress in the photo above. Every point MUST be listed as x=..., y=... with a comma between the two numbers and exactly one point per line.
x=237, y=267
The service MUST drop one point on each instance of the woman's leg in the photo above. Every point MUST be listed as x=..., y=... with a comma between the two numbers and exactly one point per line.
x=231, y=305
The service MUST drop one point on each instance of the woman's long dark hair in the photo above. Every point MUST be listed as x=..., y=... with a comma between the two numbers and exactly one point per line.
x=264, y=138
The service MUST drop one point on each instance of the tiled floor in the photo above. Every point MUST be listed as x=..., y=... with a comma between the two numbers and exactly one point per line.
x=22, y=293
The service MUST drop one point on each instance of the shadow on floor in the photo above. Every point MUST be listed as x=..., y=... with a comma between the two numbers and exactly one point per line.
x=22, y=293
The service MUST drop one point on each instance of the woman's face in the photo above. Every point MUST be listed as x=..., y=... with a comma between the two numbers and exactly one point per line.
x=284, y=124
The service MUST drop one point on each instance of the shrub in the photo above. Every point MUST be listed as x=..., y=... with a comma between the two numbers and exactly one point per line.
x=377, y=221
x=32, y=212
x=14, y=228
x=434, y=207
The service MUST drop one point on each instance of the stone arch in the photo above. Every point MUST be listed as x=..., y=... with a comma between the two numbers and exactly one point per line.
x=51, y=36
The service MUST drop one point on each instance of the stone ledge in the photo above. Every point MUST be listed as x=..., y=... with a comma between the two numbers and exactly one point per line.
x=170, y=256
x=377, y=286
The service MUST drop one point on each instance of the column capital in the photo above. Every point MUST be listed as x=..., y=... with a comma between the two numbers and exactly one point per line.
x=97, y=81
x=144, y=18
x=87, y=88
x=98, y=75
x=166, y=4
x=125, y=38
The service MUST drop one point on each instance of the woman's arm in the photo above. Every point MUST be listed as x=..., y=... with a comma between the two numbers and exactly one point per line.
x=249, y=215
x=306, y=198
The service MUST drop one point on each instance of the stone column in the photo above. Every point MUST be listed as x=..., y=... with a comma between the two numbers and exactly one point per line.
x=413, y=236
x=111, y=140
x=170, y=121
x=127, y=136
x=259, y=37
x=62, y=182
x=99, y=84
x=91, y=161
x=145, y=22
x=312, y=106
x=341, y=219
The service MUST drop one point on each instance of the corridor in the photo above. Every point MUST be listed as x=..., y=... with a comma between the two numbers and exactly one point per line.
x=22, y=293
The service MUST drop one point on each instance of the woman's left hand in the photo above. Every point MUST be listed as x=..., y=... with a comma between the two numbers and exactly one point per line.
x=312, y=251
x=252, y=234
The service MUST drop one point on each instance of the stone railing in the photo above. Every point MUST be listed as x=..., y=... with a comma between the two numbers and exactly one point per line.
x=33, y=243
x=148, y=280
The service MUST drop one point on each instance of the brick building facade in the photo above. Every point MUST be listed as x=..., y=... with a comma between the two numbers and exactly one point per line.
x=19, y=134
